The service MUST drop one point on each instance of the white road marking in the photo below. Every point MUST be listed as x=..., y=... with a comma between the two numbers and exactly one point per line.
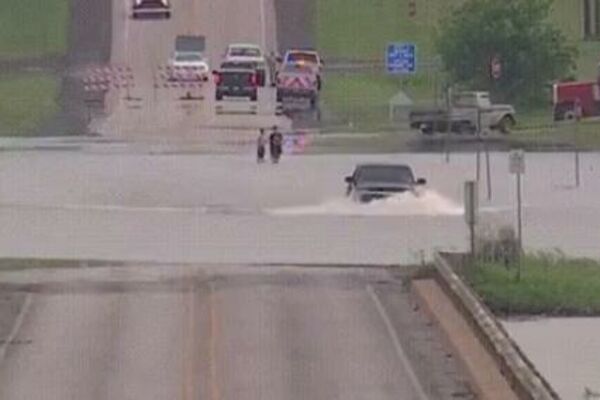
x=263, y=24
x=16, y=327
x=397, y=346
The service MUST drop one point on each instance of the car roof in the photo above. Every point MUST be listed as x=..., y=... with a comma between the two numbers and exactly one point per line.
x=244, y=70
x=244, y=45
x=377, y=165
x=239, y=64
x=299, y=50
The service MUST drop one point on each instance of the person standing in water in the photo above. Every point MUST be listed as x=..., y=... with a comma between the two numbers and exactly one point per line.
x=261, y=146
x=275, y=145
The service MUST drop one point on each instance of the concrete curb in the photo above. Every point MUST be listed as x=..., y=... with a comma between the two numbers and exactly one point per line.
x=525, y=380
x=16, y=327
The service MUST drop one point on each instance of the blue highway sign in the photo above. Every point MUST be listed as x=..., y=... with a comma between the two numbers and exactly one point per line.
x=401, y=58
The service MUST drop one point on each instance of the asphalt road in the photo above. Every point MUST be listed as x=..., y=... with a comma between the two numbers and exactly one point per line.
x=143, y=332
x=151, y=113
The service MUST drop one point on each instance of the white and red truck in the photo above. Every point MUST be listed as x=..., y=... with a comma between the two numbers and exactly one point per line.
x=297, y=84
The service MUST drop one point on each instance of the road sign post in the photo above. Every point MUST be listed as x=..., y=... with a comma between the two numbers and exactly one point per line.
x=471, y=201
x=517, y=167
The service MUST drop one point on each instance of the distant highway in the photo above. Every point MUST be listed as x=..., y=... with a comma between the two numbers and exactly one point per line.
x=146, y=45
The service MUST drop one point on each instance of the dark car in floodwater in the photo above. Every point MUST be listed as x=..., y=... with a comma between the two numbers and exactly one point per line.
x=377, y=181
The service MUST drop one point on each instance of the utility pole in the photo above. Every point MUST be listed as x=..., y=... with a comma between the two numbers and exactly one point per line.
x=517, y=167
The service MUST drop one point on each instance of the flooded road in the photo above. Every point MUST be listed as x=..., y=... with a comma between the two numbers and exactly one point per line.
x=569, y=357
x=148, y=205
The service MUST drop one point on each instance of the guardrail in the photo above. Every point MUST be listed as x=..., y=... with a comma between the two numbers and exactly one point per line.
x=521, y=374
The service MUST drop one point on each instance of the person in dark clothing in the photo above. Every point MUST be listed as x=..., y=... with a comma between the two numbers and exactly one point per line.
x=275, y=145
x=261, y=146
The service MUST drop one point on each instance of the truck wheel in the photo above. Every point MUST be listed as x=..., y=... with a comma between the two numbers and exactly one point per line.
x=506, y=124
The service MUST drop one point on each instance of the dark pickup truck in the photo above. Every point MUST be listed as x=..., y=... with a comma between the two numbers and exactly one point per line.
x=236, y=83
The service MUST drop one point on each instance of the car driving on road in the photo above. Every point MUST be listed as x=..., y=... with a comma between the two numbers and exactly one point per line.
x=305, y=57
x=240, y=52
x=297, y=82
x=238, y=83
x=260, y=69
x=151, y=8
x=377, y=181
x=187, y=66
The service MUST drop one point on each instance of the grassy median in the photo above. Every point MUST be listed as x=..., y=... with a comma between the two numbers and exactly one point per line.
x=549, y=285
x=26, y=101
x=32, y=32
x=33, y=28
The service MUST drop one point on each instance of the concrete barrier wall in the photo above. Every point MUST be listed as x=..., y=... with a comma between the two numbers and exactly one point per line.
x=525, y=380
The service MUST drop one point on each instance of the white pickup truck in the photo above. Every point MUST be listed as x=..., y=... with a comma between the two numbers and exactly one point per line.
x=468, y=111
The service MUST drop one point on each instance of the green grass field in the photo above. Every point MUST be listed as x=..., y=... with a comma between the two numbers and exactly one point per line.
x=349, y=29
x=551, y=285
x=33, y=28
x=26, y=100
x=30, y=29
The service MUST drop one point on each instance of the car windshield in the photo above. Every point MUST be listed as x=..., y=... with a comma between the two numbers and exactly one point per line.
x=188, y=57
x=302, y=57
x=235, y=78
x=385, y=174
x=244, y=52
x=230, y=65
x=297, y=68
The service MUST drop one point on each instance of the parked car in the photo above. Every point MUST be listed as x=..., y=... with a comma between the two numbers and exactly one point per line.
x=371, y=182
x=239, y=83
x=468, y=112
x=297, y=82
x=151, y=8
x=259, y=67
x=188, y=61
x=240, y=52
x=305, y=57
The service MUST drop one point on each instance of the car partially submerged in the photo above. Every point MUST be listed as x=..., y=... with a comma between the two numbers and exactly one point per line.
x=151, y=8
x=371, y=182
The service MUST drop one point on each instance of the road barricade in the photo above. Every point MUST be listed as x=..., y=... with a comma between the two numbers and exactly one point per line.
x=103, y=79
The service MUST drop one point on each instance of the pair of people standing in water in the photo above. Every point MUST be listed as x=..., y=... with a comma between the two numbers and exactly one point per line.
x=275, y=142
